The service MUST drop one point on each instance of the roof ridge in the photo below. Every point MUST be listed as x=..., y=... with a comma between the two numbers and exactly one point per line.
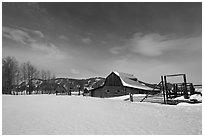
x=127, y=80
x=119, y=72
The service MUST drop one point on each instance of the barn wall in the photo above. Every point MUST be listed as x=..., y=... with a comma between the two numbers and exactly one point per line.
x=114, y=91
x=133, y=90
x=97, y=92
x=113, y=80
x=112, y=87
x=109, y=91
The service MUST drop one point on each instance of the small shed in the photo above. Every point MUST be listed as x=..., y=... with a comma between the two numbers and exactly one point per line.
x=60, y=89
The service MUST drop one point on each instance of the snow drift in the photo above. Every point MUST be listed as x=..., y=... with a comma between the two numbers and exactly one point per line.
x=62, y=115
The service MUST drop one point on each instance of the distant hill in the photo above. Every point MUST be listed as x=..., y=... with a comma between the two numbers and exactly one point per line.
x=50, y=85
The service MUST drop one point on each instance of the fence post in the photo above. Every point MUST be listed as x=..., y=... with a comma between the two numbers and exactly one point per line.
x=131, y=97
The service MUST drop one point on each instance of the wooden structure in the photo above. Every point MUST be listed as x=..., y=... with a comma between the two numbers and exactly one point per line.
x=178, y=89
x=172, y=90
x=60, y=89
x=155, y=88
x=198, y=89
x=86, y=92
x=118, y=84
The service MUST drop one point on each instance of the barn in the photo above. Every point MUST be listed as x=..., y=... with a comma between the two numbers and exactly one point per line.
x=119, y=83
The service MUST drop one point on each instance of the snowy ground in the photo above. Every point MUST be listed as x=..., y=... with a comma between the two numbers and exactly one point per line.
x=50, y=114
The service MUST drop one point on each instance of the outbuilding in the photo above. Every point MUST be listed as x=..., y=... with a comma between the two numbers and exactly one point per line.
x=60, y=89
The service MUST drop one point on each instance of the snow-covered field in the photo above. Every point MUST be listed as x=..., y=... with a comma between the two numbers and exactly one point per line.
x=50, y=114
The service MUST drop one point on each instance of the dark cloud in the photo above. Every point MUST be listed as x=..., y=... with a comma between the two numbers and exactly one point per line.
x=129, y=36
x=122, y=18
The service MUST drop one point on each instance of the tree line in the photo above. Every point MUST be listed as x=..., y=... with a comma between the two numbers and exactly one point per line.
x=15, y=74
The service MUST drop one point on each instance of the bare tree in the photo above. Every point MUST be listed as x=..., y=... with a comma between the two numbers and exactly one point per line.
x=18, y=76
x=53, y=76
x=48, y=74
x=29, y=72
x=24, y=73
x=13, y=76
x=43, y=75
x=9, y=70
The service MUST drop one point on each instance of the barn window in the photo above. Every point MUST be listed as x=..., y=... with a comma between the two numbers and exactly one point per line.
x=118, y=91
x=107, y=91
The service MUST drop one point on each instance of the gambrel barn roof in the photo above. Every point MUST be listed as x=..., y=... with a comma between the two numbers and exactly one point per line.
x=129, y=80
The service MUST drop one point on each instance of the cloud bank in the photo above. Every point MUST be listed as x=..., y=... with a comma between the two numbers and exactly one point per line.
x=156, y=45
x=17, y=35
x=34, y=40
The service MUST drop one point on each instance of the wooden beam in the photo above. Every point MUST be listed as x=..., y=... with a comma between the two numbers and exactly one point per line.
x=198, y=85
x=174, y=75
x=182, y=83
x=166, y=88
x=163, y=89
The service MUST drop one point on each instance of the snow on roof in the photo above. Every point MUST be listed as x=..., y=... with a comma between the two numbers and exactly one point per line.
x=129, y=80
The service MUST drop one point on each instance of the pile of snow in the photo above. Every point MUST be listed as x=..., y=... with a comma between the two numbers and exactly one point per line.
x=197, y=97
x=126, y=97
x=98, y=79
x=120, y=97
x=198, y=90
x=62, y=115
x=76, y=93
x=181, y=98
x=189, y=104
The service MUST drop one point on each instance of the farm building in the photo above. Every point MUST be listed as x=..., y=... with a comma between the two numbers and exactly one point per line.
x=60, y=89
x=118, y=84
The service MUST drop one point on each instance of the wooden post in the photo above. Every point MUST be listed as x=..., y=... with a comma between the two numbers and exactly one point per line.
x=131, y=97
x=70, y=92
x=79, y=91
x=166, y=88
x=163, y=89
x=192, y=89
x=176, y=89
x=185, y=87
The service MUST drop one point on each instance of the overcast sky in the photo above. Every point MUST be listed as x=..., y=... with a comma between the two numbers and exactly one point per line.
x=82, y=40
